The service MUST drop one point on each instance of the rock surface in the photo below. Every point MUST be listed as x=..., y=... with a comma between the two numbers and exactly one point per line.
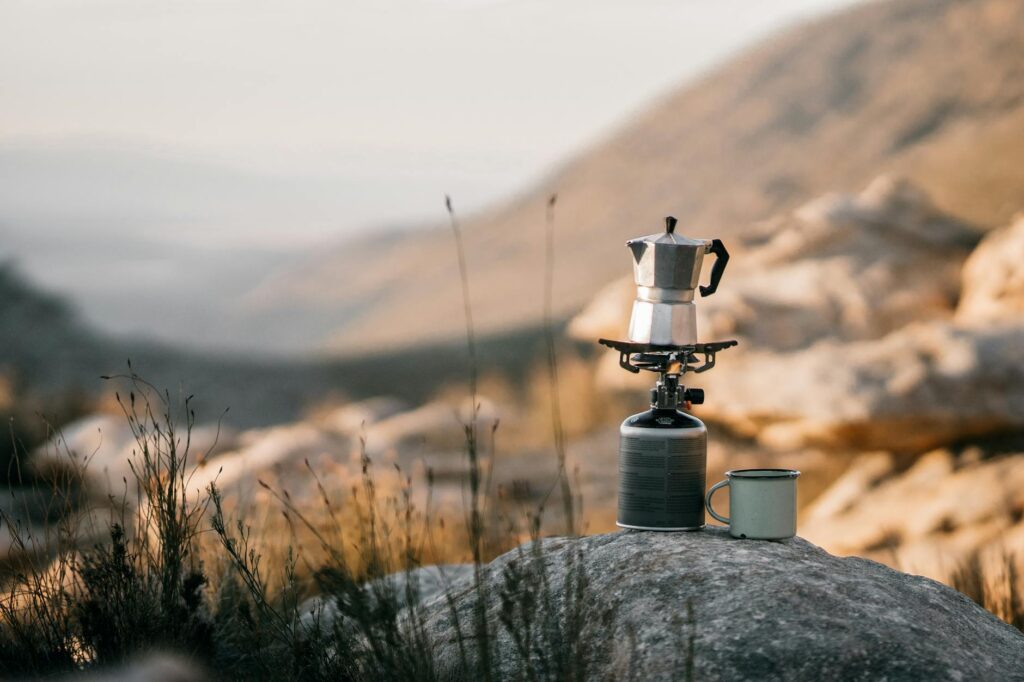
x=993, y=278
x=427, y=582
x=931, y=518
x=103, y=447
x=154, y=668
x=922, y=387
x=845, y=267
x=760, y=611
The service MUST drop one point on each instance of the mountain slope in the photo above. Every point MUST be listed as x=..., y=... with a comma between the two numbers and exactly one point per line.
x=929, y=89
x=49, y=357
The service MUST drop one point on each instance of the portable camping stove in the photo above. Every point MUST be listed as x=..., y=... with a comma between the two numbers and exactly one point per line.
x=663, y=451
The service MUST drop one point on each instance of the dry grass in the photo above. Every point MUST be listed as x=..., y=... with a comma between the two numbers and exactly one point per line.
x=993, y=579
x=179, y=572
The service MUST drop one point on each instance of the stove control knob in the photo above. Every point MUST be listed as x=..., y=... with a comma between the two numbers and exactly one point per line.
x=694, y=395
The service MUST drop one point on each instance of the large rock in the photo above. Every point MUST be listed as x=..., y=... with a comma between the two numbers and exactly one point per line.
x=282, y=450
x=153, y=668
x=993, y=278
x=844, y=267
x=425, y=583
x=103, y=447
x=353, y=419
x=924, y=385
x=108, y=455
x=752, y=610
x=931, y=518
x=438, y=423
x=916, y=389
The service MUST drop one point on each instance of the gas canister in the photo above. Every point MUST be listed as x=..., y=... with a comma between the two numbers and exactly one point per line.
x=662, y=463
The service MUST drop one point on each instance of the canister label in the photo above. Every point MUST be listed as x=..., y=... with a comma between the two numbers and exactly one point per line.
x=661, y=480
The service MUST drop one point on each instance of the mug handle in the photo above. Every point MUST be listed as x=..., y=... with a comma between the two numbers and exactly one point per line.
x=707, y=501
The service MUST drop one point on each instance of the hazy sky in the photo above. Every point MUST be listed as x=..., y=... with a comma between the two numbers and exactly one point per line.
x=159, y=157
x=400, y=99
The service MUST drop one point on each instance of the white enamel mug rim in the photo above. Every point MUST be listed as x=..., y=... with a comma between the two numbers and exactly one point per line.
x=762, y=473
x=757, y=473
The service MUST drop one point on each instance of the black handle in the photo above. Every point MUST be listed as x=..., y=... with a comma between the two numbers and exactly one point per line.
x=721, y=260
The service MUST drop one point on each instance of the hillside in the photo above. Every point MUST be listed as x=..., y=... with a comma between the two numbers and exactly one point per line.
x=931, y=90
x=49, y=355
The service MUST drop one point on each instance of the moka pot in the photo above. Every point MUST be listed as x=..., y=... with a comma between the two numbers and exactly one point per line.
x=666, y=269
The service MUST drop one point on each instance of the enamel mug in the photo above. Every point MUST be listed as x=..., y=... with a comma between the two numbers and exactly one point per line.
x=762, y=503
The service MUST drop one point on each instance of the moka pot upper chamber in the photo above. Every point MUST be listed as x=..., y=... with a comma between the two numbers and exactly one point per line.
x=666, y=269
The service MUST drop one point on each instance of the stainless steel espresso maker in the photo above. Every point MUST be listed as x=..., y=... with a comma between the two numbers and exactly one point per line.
x=666, y=268
x=663, y=451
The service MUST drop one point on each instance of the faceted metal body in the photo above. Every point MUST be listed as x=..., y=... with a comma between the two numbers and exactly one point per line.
x=663, y=322
x=666, y=269
x=668, y=260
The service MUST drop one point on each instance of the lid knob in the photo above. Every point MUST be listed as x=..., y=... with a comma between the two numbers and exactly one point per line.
x=670, y=224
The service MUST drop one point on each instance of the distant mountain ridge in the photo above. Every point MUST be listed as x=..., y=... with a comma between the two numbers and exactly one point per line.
x=48, y=353
x=928, y=89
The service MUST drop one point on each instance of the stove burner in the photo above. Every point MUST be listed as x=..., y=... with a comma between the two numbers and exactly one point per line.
x=696, y=358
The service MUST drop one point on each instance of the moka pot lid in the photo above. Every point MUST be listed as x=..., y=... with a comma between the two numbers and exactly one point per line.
x=667, y=260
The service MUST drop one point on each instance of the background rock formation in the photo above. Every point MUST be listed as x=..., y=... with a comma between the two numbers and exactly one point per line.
x=993, y=279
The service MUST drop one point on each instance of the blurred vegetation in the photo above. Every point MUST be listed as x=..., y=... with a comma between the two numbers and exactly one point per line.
x=175, y=572
x=28, y=422
x=993, y=580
